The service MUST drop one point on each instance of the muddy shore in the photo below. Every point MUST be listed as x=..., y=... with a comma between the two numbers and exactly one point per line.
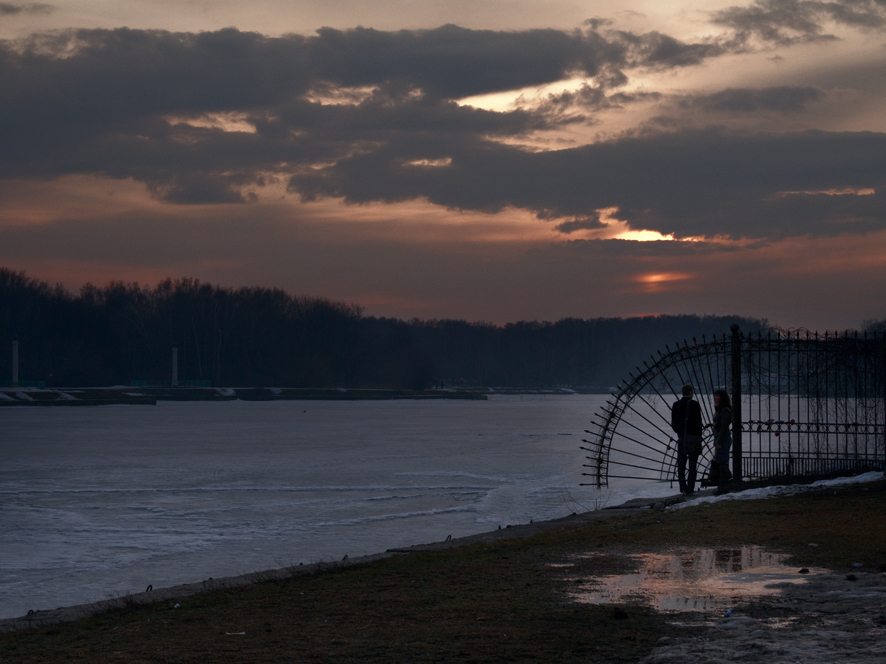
x=827, y=619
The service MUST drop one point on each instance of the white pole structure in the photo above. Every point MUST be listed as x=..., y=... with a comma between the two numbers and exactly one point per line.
x=175, y=366
x=15, y=363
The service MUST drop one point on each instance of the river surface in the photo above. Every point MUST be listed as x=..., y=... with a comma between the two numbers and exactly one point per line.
x=98, y=502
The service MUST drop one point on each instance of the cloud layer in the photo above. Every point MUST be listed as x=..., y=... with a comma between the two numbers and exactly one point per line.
x=366, y=115
x=786, y=22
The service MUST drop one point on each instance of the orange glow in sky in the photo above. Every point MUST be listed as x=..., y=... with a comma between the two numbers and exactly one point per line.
x=656, y=282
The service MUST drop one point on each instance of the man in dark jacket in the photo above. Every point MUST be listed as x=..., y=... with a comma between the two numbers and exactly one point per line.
x=686, y=423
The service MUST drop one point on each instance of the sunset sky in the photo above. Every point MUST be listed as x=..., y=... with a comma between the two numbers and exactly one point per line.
x=494, y=160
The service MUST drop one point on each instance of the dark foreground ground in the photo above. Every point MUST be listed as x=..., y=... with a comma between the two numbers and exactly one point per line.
x=493, y=601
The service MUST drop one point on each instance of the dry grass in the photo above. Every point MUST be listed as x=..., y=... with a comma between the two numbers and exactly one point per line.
x=483, y=603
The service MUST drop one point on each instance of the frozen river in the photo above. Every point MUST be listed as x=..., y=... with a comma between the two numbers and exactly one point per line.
x=102, y=501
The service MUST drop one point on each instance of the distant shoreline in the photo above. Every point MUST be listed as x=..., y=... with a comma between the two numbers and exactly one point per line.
x=149, y=396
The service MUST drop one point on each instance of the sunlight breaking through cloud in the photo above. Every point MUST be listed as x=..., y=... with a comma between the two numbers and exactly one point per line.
x=231, y=121
x=330, y=95
x=660, y=281
x=617, y=229
x=524, y=98
x=845, y=191
x=430, y=163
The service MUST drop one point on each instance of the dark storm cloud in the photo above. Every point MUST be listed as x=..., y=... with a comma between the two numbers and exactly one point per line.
x=111, y=102
x=453, y=62
x=660, y=51
x=596, y=98
x=785, y=22
x=104, y=101
x=122, y=74
x=584, y=223
x=101, y=109
x=8, y=9
x=699, y=183
x=747, y=100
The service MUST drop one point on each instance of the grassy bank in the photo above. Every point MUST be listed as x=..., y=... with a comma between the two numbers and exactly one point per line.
x=489, y=602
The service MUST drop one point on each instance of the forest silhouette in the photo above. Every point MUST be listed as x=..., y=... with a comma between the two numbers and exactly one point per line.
x=266, y=337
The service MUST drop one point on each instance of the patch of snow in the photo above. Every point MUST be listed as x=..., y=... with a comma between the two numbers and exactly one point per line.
x=23, y=397
x=226, y=391
x=65, y=396
x=6, y=397
x=784, y=490
x=276, y=390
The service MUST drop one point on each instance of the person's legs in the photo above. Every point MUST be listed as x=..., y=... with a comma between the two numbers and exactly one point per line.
x=692, y=460
x=681, y=465
x=723, y=459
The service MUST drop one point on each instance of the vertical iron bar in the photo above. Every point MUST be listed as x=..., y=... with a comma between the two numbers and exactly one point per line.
x=808, y=367
x=825, y=355
x=778, y=418
x=880, y=346
x=855, y=359
x=736, y=404
x=757, y=437
x=727, y=359
x=707, y=407
x=708, y=385
x=769, y=344
x=796, y=416
x=846, y=388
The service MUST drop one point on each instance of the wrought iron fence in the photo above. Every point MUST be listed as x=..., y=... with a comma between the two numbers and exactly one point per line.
x=804, y=405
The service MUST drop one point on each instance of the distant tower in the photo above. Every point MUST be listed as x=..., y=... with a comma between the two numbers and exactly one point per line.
x=175, y=366
x=15, y=362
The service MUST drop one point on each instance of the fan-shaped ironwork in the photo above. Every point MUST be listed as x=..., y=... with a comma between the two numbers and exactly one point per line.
x=804, y=405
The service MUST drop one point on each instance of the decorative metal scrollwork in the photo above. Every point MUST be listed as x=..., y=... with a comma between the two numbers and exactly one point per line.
x=807, y=405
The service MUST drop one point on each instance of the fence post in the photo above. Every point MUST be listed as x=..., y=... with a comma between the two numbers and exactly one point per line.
x=736, y=404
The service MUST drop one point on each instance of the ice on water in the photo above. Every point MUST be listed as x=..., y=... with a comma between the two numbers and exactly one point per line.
x=98, y=502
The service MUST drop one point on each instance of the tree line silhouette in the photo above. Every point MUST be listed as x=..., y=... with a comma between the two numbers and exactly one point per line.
x=264, y=337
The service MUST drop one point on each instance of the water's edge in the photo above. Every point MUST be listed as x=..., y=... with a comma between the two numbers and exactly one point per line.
x=45, y=618
x=632, y=507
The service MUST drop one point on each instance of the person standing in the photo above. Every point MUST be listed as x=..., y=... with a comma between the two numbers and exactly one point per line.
x=722, y=425
x=686, y=423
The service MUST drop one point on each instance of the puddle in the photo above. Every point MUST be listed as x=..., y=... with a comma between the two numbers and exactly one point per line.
x=702, y=580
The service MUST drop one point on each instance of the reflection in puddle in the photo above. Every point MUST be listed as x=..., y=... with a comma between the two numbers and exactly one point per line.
x=703, y=580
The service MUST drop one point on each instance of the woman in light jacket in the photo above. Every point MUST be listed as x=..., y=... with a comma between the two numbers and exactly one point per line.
x=722, y=426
